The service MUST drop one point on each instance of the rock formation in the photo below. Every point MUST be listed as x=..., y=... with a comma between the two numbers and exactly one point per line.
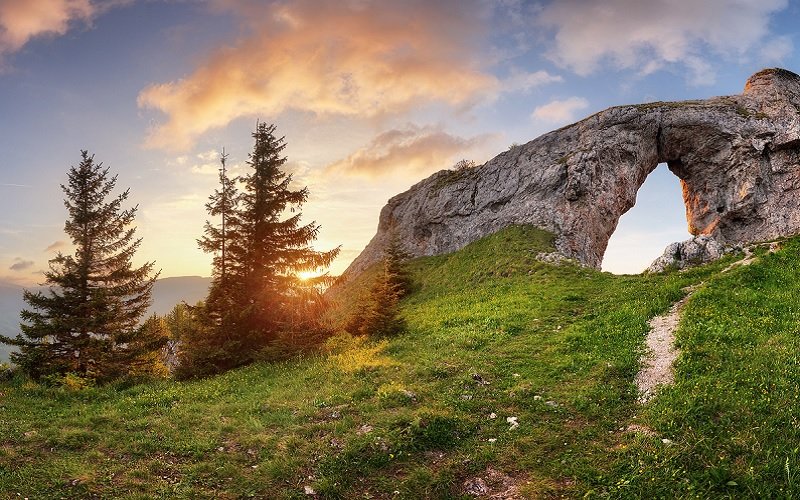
x=688, y=253
x=738, y=159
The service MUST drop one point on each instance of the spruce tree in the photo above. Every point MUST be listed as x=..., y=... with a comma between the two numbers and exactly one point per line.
x=383, y=318
x=395, y=267
x=256, y=298
x=270, y=249
x=88, y=322
x=378, y=312
x=218, y=239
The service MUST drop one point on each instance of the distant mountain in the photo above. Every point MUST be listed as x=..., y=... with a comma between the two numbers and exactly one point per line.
x=170, y=291
x=10, y=305
x=166, y=293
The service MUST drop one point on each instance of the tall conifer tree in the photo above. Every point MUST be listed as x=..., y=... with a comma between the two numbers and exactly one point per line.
x=88, y=322
x=219, y=239
x=271, y=249
x=262, y=299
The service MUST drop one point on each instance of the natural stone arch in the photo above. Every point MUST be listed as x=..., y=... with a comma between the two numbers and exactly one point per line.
x=738, y=158
x=656, y=221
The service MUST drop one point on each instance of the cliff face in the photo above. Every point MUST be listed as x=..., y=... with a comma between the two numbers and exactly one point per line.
x=738, y=158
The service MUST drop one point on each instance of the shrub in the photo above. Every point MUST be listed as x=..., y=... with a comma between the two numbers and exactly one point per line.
x=463, y=165
x=6, y=372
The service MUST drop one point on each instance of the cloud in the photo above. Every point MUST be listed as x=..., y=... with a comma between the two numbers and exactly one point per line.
x=410, y=149
x=631, y=34
x=777, y=50
x=348, y=58
x=207, y=162
x=560, y=111
x=522, y=81
x=20, y=264
x=55, y=246
x=22, y=20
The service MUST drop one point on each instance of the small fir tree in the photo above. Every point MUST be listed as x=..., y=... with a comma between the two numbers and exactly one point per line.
x=383, y=318
x=396, y=266
x=378, y=313
x=88, y=322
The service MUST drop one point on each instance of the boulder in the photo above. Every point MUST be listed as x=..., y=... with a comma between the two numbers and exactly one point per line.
x=692, y=252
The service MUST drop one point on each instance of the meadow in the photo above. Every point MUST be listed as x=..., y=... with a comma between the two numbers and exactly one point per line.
x=515, y=377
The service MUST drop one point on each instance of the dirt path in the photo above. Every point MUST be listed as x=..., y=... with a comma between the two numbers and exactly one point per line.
x=661, y=353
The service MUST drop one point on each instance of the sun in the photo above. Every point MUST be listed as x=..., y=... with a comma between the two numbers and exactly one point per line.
x=307, y=275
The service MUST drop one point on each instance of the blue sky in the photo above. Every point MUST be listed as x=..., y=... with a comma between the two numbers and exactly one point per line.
x=372, y=96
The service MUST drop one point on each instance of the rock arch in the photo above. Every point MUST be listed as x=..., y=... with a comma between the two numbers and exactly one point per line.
x=738, y=159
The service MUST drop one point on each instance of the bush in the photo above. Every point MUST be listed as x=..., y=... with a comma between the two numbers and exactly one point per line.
x=463, y=165
x=69, y=381
x=6, y=372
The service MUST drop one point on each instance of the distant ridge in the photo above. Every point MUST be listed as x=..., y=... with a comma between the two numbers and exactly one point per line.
x=166, y=293
x=170, y=291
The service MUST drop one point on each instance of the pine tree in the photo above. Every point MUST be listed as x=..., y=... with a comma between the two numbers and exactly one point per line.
x=256, y=299
x=383, y=318
x=87, y=323
x=218, y=240
x=270, y=250
x=395, y=267
x=378, y=312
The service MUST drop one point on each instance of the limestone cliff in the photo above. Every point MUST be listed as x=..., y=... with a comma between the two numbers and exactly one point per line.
x=738, y=158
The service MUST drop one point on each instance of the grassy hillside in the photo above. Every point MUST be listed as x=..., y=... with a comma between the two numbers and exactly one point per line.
x=493, y=334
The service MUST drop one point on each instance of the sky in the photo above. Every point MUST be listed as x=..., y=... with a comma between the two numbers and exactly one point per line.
x=371, y=96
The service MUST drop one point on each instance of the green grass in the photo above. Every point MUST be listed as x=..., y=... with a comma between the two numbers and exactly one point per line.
x=734, y=414
x=491, y=331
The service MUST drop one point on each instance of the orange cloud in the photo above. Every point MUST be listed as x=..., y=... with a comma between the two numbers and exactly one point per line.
x=22, y=20
x=411, y=149
x=352, y=58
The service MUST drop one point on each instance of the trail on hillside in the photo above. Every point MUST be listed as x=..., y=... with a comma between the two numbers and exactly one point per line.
x=661, y=352
x=657, y=363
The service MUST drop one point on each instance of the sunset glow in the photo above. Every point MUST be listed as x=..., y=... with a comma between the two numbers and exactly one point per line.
x=307, y=275
x=372, y=96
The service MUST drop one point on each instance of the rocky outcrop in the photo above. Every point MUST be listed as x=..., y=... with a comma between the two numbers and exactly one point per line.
x=738, y=159
x=692, y=252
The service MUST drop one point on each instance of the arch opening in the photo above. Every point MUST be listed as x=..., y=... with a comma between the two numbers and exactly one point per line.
x=657, y=219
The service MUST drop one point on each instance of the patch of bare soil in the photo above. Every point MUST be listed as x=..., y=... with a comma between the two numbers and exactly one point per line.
x=493, y=484
x=748, y=259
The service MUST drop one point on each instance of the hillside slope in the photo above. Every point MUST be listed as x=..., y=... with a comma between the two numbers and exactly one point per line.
x=515, y=378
